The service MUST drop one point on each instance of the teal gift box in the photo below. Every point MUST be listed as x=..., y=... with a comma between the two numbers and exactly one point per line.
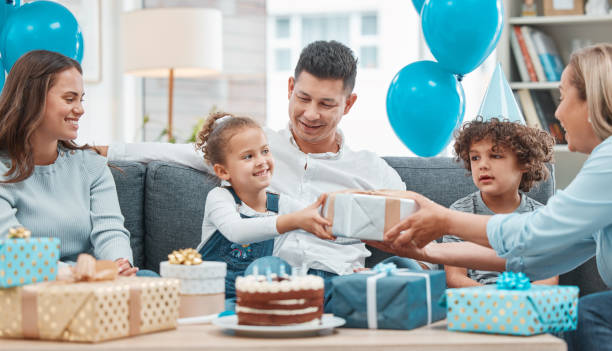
x=28, y=260
x=388, y=299
x=487, y=309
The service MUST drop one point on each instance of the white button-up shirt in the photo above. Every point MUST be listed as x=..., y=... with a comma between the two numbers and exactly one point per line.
x=301, y=176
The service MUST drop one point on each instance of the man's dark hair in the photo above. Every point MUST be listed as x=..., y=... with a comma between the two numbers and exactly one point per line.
x=328, y=60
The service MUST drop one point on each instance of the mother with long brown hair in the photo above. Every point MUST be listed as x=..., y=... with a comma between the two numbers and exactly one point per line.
x=574, y=226
x=49, y=184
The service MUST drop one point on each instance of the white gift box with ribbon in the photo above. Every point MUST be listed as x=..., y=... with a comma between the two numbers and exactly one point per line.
x=366, y=215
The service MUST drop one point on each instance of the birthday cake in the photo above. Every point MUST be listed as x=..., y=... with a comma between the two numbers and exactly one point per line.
x=275, y=300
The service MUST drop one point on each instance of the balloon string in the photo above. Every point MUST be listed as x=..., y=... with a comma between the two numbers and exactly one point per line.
x=459, y=77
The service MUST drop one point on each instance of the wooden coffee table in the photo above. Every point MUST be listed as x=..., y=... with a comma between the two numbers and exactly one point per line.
x=210, y=337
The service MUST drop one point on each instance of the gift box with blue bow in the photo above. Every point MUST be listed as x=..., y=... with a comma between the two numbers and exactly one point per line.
x=388, y=297
x=25, y=260
x=513, y=306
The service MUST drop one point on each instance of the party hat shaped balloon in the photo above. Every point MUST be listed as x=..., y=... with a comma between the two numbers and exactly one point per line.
x=499, y=101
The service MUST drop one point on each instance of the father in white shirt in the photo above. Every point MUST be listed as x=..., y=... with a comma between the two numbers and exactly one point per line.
x=311, y=155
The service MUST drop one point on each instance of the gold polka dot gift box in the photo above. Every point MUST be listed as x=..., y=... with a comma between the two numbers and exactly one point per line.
x=489, y=309
x=26, y=260
x=202, y=289
x=90, y=310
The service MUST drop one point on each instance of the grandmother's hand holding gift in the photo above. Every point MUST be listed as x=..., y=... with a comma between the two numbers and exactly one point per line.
x=427, y=224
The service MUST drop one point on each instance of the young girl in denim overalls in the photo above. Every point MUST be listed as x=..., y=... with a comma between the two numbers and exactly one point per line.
x=241, y=220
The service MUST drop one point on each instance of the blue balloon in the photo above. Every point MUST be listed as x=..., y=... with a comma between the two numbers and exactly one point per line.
x=40, y=25
x=461, y=34
x=425, y=103
x=418, y=5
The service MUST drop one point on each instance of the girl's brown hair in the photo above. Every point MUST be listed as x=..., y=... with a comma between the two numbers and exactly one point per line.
x=22, y=106
x=213, y=139
x=532, y=147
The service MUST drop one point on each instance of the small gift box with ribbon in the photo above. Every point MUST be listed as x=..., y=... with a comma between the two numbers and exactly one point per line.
x=26, y=260
x=513, y=306
x=366, y=215
x=90, y=305
x=202, y=289
x=388, y=297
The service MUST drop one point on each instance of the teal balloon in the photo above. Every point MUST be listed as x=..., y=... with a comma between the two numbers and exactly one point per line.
x=461, y=34
x=425, y=103
x=418, y=5
x=40, y=25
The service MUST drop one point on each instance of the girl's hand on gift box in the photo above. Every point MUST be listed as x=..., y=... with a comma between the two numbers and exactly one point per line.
x=125, y=267
x=308, y=219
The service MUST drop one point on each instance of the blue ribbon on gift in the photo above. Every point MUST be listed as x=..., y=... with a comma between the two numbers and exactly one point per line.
x=513, y=281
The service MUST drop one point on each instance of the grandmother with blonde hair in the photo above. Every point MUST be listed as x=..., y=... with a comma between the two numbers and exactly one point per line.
x=574, y=226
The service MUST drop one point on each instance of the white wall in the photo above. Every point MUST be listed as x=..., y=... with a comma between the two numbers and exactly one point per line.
x=110, y=104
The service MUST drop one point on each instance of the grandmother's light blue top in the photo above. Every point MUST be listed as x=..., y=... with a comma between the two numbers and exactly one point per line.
x=73, y=199
x=575, y=225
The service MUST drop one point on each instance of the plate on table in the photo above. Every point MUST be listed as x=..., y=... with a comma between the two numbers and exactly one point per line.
x=327, y=325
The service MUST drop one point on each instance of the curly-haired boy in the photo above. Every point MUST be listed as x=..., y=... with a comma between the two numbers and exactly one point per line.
x=505, y=159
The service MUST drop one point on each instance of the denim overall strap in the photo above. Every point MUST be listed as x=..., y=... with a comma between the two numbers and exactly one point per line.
x=272, y=202
x=272, y=199
x=234, y=195
x=238, y=256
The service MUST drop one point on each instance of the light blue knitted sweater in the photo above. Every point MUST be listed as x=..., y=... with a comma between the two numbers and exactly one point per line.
x=73, y=199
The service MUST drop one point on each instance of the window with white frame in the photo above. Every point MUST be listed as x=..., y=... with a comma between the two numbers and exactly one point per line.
x=359, y=31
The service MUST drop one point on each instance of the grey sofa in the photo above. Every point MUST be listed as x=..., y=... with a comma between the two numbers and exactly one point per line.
x=163, y=205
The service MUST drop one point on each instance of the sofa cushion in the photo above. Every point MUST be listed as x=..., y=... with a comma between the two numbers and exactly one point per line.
x=586, y=277
x=174, y=209
x=129, y=180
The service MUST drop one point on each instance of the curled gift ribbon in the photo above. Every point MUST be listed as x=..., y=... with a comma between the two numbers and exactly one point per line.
x=513, y=281
x=188, y=257
x=19, y=233
x=387, y=268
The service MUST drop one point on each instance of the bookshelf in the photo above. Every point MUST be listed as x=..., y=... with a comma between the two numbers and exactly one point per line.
x=568, y=32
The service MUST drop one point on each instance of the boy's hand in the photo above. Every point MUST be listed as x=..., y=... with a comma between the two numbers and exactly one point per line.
x=311, y=220
x=125, y=268
x=419, y=254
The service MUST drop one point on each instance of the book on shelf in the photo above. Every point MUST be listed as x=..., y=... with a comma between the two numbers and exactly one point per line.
x=536, y=55
x=548, y=55
x=529, y=111
x=522, y=55
x=545, y=108
x=518, y=58
x=533, y=54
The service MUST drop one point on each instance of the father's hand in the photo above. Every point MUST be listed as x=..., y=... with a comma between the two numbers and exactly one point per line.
x=422, y=227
